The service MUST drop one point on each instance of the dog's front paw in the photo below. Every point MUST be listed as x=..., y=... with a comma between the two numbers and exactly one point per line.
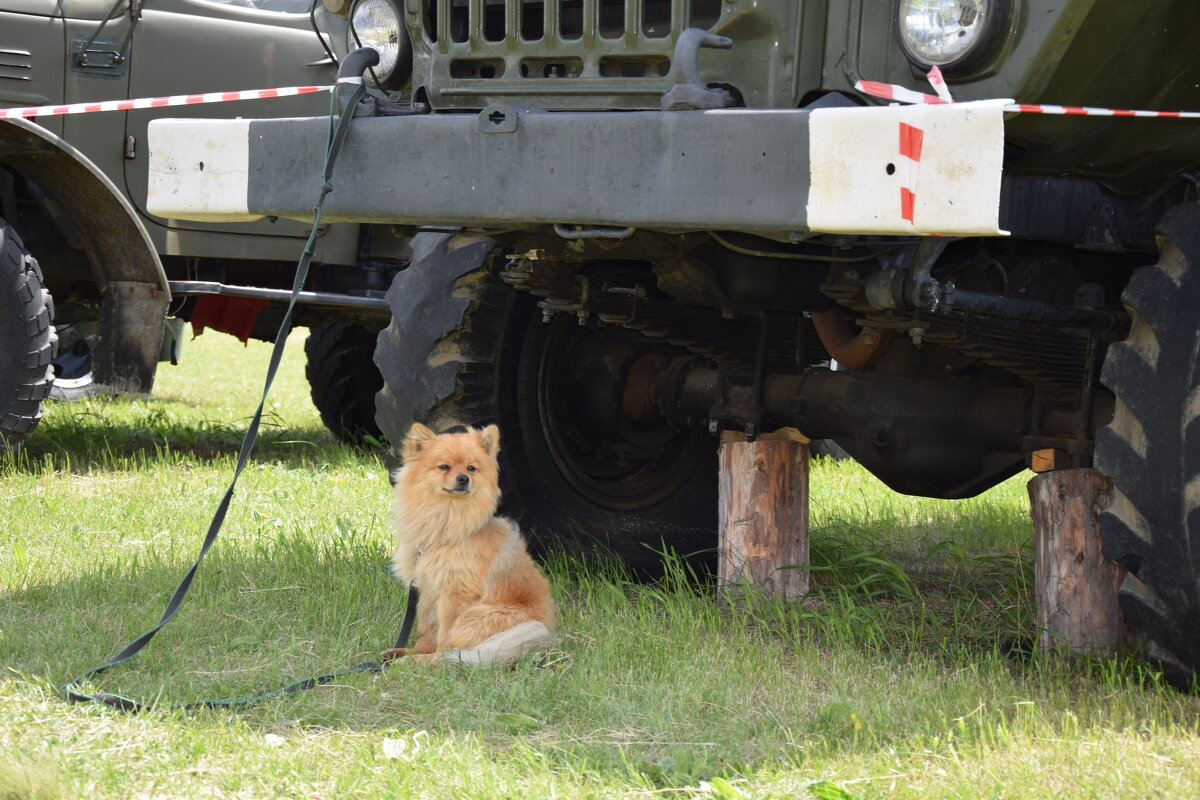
x=392, y=653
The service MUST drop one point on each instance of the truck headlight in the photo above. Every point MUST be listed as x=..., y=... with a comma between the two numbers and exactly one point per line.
x=954, y=33
x=379, y=24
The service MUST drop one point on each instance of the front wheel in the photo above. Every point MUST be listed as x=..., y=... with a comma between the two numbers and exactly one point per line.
x=579, y=469
x=1151, y=450
x=27, y=339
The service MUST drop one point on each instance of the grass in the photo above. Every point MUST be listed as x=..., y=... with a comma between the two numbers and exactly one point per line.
x=907, y=673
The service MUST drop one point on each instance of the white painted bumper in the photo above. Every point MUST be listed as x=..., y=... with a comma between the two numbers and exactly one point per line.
x=931, y=169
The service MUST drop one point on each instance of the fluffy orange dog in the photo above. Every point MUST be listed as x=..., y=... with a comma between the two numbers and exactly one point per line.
x=482, y=599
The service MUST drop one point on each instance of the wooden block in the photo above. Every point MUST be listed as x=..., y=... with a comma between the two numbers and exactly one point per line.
x=1048, y=459
x=1076, y=586
x=763, y=518
x=789, y=434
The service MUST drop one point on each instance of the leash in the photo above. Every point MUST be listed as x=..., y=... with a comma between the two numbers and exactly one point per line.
x=358, y=60
x=122, y=703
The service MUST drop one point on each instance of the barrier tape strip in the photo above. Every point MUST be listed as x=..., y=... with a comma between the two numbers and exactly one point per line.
x=934, y=76
x=890, y=91
x=887, y=91
x=160, y=102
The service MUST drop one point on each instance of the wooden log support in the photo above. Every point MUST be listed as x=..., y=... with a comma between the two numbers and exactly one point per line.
x=763, y=518
x=1075, y=585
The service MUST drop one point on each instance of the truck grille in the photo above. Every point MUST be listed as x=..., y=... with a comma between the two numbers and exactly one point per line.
x=563, y=20
x=556, y=53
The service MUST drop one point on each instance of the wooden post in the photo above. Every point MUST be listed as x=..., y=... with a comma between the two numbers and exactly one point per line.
x=763, y=518
x=1076, y=586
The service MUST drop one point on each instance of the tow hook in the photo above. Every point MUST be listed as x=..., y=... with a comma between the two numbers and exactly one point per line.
x=691, y=93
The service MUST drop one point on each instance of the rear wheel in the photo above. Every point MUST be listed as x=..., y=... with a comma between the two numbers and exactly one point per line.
x=343, y=379
x=26, y=339
x=578, y=468
x=1151, y=450
x=72, y=366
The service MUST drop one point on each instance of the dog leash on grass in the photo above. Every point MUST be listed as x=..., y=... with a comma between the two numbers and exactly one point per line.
x=350, y=72
x=122, y=703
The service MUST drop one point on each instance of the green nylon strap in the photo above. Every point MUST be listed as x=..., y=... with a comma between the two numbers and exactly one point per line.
x=333, y=145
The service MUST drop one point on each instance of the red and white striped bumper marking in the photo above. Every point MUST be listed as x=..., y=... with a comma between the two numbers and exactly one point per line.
x=941, y=161
x=911, y=139
x=160, y=102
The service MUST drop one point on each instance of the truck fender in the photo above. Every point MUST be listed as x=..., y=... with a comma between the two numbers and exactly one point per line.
x=127, y=269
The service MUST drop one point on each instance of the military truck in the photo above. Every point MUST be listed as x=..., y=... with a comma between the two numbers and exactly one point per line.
x=83, y=262
x=637, y=223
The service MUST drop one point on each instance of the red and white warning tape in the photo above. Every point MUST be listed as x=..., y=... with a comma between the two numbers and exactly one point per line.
x=889, y=91
x=934, y=76
x=160, y=102
x=1029, y=108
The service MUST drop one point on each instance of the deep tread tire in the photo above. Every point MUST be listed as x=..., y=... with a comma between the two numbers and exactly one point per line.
x=1151, y=450
x=27, y=339
x=464, y=348
x=343, y=379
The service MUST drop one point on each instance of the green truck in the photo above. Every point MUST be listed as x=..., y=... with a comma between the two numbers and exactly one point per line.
x=632, y=224
x=88, y=276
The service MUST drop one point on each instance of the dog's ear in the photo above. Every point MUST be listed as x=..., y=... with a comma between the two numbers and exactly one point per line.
x=489, y=437
x=417, y=436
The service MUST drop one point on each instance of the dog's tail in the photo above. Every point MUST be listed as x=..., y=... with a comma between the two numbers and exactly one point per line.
x=504, y=648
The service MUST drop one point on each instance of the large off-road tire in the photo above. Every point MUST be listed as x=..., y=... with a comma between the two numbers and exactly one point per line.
x=1151, y=450
x=343, y=379
x=464, y=348
x=26, y=339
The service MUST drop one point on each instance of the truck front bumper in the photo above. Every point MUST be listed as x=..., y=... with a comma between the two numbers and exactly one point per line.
x=781, y=173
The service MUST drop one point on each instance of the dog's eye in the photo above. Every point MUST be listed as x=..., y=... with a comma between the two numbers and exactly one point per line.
x=470, y=468
x=444, y=467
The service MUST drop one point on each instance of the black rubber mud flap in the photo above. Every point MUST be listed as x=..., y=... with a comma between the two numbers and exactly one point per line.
x=1151, y=450
x=27, y=339
x=133, y=317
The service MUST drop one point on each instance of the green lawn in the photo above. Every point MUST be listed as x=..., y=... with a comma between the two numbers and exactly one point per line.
x=907, y=673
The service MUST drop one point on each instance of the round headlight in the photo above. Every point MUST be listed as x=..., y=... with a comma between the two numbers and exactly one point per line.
x=378, y=24
x=950, y=32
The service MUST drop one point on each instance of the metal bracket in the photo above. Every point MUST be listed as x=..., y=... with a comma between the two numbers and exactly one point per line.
x=500, y=118
x=497, y=119
x=579, y=232
x=110, y=55
x=104, y=57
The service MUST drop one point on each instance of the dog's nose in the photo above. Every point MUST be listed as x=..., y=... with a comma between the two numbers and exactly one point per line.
x=462, y=481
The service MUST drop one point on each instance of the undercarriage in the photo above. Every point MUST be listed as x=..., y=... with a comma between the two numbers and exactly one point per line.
x=940, y=365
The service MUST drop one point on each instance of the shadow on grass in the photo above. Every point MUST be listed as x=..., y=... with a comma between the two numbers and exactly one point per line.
x=259, y=614
x=121, y=433
x=651, y=680
x=280, y=606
